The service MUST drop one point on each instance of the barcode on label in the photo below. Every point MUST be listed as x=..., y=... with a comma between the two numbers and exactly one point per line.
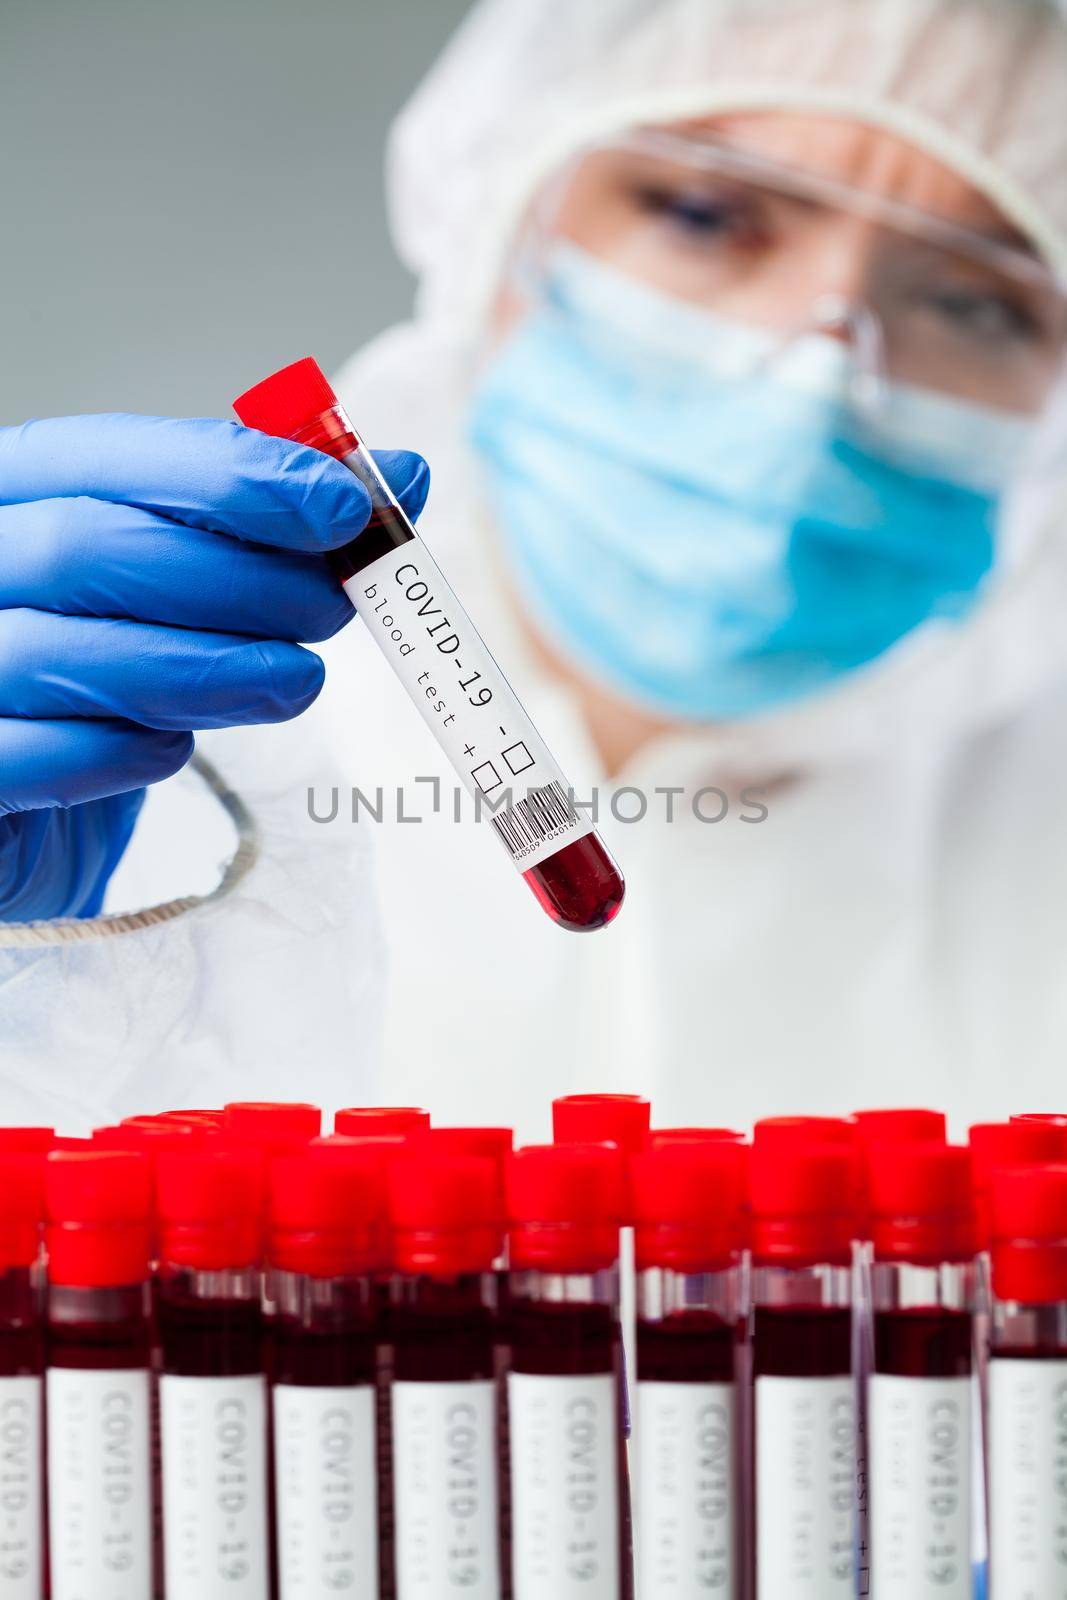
x=529, y=822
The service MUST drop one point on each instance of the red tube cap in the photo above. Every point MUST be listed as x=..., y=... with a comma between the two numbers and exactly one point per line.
x=688, y=1200
x=566, y=1203
x=921, y=1202
x=905, y=1124
x=287, y=399
x=276, y=1126
x=98, y=1205
x=209, y=1204
x=1029, y=1227
x=362, y=1122
x=26, y=1141
x=621, y=1119
x=21, y=1208
x=327, y=1211
x=445, y=1213
x=819, y=1131
x=1007, y=1144
x=665, y=1136
x=802, y=1194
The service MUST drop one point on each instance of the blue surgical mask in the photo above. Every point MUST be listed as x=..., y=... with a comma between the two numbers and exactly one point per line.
x=708, y=523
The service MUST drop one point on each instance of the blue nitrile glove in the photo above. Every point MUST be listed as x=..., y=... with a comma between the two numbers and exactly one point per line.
x=155, y=577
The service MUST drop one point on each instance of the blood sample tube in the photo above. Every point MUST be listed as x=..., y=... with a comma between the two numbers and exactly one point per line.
x=99, y=1381
x=689, y=1235
x=663, y=1136
x=920, y=1407
x=212, y=1389
x=621, y=1119
x=323, y=1251
x=431, y=644
x=1028, y=1385
x=369, y=1122
x=570, y=1517
x=445, y=1479
x=805, y=1499
x=21, y=1376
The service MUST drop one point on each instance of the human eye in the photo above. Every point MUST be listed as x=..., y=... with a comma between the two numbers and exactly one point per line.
x=700, y=216
x=984, y=311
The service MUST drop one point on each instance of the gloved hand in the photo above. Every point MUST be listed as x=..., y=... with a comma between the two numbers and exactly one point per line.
x=155, y=577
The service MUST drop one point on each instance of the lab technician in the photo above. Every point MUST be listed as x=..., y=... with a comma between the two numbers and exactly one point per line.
x=737, y=361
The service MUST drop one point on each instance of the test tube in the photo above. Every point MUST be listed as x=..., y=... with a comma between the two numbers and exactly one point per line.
x=431, y=644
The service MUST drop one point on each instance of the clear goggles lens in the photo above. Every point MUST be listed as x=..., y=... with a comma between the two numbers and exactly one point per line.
x=922, y=300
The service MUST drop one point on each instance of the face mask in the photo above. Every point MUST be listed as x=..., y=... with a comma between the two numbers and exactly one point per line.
x=704, y=520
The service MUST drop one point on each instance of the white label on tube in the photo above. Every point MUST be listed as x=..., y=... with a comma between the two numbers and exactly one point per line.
x=686, y=1485
x=445, y=1489
x=21, y=1468
x=919, y=1432
x=325, y=1475
x=1028, y=1479
x=805, y=1488
x=432, y=646
x=99, y=1484
x=564, y=1486
x=214, y=1487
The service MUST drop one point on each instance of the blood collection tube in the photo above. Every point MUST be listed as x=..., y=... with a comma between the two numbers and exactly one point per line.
x=99, y=1380
x=912, y=1124
x=445, y=1479
x=22, y=1527
x=1028, y=1385
x=212, y=1390
x=363, y=1122
x=920, y=1394
x=570, y=1520
x=805, y=1499
x=690, y=1236
x=657, y=1137
x=324, y=1244
x=994, y=1145
x=431, y=644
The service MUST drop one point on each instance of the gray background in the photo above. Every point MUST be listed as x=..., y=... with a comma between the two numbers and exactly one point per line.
x=192, y=192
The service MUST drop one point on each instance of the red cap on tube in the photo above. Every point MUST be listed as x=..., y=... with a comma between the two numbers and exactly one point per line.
x=298, y=402
x=921, y=1202
x=907, y=1124
x=491, y=1144
x=621, y=1119
x=688, y=1201
x=209, y=1202
x=278, y=1127
x=1029, y=1228
x=21, y=1208
x=327, y=1211
x=361, y=1122
x=566, y=1203
x=802, y=1193
x=445, y=1213
x=820, y=1131
x=665, y=1136
x=98, y=1205
x=1006, y=1144
x=1053, y=1122
x=143, y=1135
x=26, y=1141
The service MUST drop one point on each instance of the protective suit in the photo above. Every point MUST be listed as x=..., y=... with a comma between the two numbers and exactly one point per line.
x=875, y=908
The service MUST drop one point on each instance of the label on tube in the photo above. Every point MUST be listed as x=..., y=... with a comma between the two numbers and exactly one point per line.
x=21, y=1508
x=419, y=625
x=214, y=1486
x=445, y=1489
x=686, y=1483
x=100, y=1515
x=805, y=1488
x=564, y=1486
x=1028, y=1478
x=326, y=1490
x=919, y=1433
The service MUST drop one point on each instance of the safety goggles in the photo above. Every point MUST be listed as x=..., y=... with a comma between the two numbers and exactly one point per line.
x=704, y=224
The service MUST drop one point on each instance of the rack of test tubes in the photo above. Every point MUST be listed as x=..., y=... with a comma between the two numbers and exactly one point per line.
x=241, y=1357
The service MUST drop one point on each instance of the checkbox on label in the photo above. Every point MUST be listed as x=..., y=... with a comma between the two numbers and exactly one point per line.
x=518, y=758
x=486, y=777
